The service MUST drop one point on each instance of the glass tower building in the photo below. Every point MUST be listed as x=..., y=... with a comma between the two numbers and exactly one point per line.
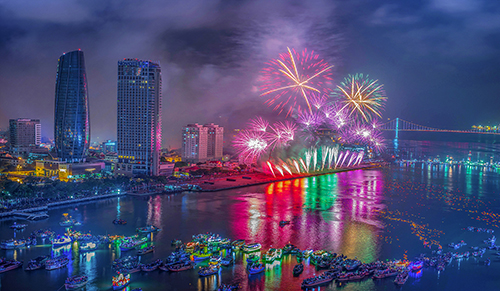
x=71, y=120
x=139, y=117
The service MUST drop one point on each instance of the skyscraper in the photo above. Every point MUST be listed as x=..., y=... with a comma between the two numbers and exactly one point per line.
x=24, y=133
x=71, y=118
x=139, y=117
x=215, y=138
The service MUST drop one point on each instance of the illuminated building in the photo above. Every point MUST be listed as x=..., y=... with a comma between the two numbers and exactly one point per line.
x=215, y=139
x=139, y=117
x=71, y=118
x=202, y=142
x=24, y=134
x=194, y=142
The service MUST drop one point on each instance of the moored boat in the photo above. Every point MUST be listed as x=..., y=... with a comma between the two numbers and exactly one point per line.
x=227, y=260
x=88, y=247
x=210, y=270
x=256, y=268
x=146, y=250
x=401, y=278
x=10, y=265
x=298, y=269
x=61, y=241
x=36, y=263
x=121, y=280
x=389, y=272
x=119, y=221
x=75, y=282
x=56, y=263
x=13, y=244
x=179, y=267
x=322, y=279
x=238, y=243
x=148, y=229
x=248, y=248
x=198, y=256
x=151, y=266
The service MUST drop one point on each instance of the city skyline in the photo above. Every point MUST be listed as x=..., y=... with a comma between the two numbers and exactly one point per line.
x=434, y=73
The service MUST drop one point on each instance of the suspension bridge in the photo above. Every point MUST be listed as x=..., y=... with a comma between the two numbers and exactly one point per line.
x=399, y=124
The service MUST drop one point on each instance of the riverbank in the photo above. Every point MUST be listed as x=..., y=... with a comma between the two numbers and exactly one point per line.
x=57, y=204
x=253, y=179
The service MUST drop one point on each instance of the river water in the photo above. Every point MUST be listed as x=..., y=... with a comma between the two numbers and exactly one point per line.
x=385, y=213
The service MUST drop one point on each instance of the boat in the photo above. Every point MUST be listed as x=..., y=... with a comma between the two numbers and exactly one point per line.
x=226, y=287
x=284, y=222
x=252, y=259
x=389, y=272
x=61, y=241
x=248, y=248
x=75, y=282
x=121, y=280
x=148, y=229
x=238, y=243
x=272, y=254
x=43, y=233
x=298, y=269
x=201, y=256
x=132, y=244
x=10, y=265
x=56, y=263
x=151, y=266
x=36, y=263
x=146, y=250
x=17, y=226
x=210, y=270
x=401, y=278
x=88, y=247
x=307, y=253
x=119, y=221
x=417, y=265
x=227, y=260
x=322, y=279
x=178, y=267
x=256, y=268
x=215, y=260
x=13, y=244
x=353, y=276
x=70, y=222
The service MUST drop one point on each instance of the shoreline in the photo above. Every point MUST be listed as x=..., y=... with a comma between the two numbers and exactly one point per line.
x=254, y=179
x=219, y=184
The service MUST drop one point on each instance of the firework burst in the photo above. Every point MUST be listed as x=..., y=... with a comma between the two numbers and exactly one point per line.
x=258, y=124
x=361, y=96
x=289, y=80
x=251, y=144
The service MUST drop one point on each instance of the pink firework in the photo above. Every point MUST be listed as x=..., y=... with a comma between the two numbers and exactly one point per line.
x=258, y=124
x=282, y=133
x=251, y=144
x=289, y=81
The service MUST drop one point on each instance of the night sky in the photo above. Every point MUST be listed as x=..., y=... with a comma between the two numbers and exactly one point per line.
x=439, y=59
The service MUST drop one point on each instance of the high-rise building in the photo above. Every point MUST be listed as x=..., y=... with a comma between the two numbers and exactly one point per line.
x=71, y=118
x=139, y=117
x=194, y=142
x=215, y=138
x=202, y=142
x=24, y=134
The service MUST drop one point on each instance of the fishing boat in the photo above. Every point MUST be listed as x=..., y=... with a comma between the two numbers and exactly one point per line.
x=227, y=260
x=148, y=229
x=389, y=272
x=198, y=256
x=146, y=250
x=56, y=263
x=215, y=260
x=352, y=265
x=248, y=248
x=75, y=282
x=272, y=254
x=238, y=243
x=256, y=268
x=298, y=269
x=36, y=263
x=401, y=278
x=17, y=226
x=353, y=276
x=132, y=244
x=121, y=280
x=179, y=267
x=415, y=266
x=322, y=279
x=88, y=247
x=119, y=221
x=13, y=244
x=210, y=270
x=10, y=265
x=151, y=266
x=307, y=253
x=61, y=241
x=252, y=259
